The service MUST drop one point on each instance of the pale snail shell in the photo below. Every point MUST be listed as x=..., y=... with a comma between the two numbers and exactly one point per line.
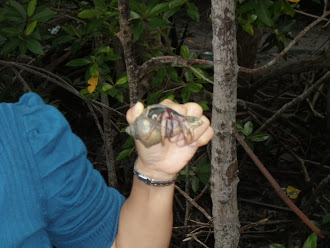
x=172, y=123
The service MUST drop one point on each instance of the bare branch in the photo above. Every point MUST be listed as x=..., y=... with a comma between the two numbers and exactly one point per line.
x=293, y=102
x=202, y=210
x=277, y=187
x=285, y=50
x=20, y=78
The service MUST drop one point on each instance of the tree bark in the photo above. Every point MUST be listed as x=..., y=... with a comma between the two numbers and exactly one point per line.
x=224, y=177
x=126, y=38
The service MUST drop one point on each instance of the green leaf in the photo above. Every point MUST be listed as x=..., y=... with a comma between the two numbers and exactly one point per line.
x=122, y=80
x=9, y=32
x=31, y=7
x=159, y=8
x=204, y=106
x=248, y=128
x=250, y=144
x=34, y=46
x=311, y=241
x=106, y=87
x=157, y=21
x=248, y=28
x=258, y=137
x=63, y=39
x=250, y=5
x=172, y=73
x=169, y=13
x=185, y=51
x=239, y=126
x=153, y=97
x=69, y=29
x=30, y=28
x=112, y=91
x=176, y=3
x=94, y=70
x=194, y=87
x=111, y=57
x=36, y=34
x=137, y=30
x=124, y=154
x=129, y=142
x=10, y=46
x=189, y=76
x=159, y=78
x=134, y=15
x=43, y=15
x=263, y=13
x=276, y=246
x=277, y=10
x=192, y=12
x=194, y=183
x=19, y=8
x=326, y=219
x=22, y=47
x=287, y=8
x=185, y=94
x=119, y=96
x=79, y=62
x=89, y=13
x=101, y=4
x=201, y=72
x=84, y=92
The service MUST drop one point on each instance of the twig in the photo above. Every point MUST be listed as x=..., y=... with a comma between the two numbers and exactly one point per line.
x=20, y=78
x=202, y=210
x=321, y=187
x=277, y=187
x=197, y=240
x=265, y=204
x=310, y=15
x=265, y=223
x=54, y=79
x=301, y=161
x=293, y=102
x=199, y=74
x=285, y=50
x=317, y=114
x=178, y=61
x=98, y=124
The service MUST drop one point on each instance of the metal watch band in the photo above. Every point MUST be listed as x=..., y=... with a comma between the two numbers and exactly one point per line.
x=151, y=181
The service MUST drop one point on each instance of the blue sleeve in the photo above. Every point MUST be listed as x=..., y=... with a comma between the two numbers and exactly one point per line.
x=81, y=210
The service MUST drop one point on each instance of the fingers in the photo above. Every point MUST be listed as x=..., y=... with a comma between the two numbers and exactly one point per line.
x=205, y=137
x=194, y=109
x=180, y=108
x=188, y=109
x=134, y=112
x=202, y=134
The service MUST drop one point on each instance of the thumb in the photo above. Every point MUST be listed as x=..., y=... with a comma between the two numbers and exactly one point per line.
x=134, y=112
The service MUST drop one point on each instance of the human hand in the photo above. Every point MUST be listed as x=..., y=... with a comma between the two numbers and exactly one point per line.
x=164, y=161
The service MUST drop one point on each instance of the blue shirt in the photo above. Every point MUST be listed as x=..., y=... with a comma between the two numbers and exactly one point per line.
x=49, y=192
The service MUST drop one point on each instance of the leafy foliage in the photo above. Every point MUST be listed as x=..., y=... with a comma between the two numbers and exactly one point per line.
x=264, y=14
x=23, y=27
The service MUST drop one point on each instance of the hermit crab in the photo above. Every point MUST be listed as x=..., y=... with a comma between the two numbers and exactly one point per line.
x=158, y=122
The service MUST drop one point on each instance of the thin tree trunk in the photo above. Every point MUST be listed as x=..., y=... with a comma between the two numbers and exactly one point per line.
x=108, y=144
x=224, y=178
x=126, y=38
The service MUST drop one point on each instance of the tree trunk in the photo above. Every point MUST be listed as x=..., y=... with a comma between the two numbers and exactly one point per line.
x=224, y=178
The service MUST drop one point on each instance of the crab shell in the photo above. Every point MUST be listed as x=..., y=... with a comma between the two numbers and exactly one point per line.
x=140, y=129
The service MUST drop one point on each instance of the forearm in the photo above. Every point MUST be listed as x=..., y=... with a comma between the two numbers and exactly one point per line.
x=146, y=217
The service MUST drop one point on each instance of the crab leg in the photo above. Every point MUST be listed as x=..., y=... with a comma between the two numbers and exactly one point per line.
x=159, y=118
